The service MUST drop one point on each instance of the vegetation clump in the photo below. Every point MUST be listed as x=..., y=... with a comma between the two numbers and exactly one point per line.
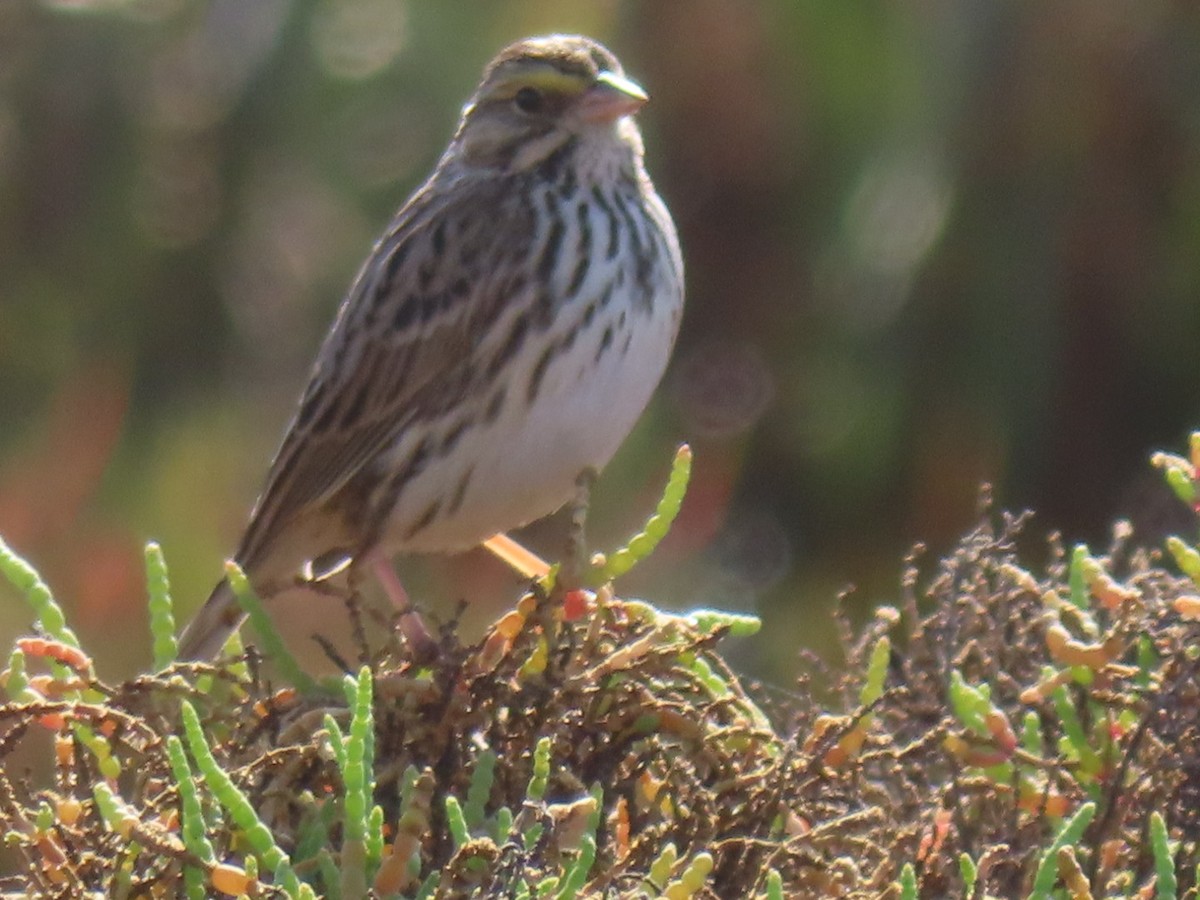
x=1007, y=730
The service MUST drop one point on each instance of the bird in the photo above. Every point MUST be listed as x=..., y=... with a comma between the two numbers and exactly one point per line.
x=503, y=336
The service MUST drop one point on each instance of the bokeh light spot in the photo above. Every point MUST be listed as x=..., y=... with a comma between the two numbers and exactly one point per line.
x=356, y=39
x=177, y=198
x=893, y=218
x=723, y=388
x=294, y=233
x=138, y=10
x=196, y=80
x=753, y=549
x=897, y=212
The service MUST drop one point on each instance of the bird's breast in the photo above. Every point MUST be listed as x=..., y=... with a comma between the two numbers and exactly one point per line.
x=573, y=382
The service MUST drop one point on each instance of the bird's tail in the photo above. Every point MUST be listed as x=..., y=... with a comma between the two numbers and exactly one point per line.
x=206, y=634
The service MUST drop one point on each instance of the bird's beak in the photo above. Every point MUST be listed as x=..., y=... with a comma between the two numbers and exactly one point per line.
x=609, y=98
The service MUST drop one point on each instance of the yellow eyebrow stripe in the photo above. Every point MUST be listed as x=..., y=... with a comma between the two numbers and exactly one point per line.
x=544, y=78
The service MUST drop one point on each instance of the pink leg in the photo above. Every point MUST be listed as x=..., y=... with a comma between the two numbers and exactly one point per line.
x=423, y=644
x=385, y=574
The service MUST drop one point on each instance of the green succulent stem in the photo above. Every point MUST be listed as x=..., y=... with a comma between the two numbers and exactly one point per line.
x=231, y=798
x=1166, y=885
x=25, y=579
x=272, y=643
x=1070, y=833
x=162, y=614
x=643, y=543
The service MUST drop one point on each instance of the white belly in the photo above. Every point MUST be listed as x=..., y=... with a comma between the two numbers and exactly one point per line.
x=524, y=464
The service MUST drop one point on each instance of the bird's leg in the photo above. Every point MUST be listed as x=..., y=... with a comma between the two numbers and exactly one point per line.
x=527, y=563
x=422, y=643
x=575, y=560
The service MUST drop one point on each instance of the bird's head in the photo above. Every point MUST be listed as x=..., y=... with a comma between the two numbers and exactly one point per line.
x=543, y=94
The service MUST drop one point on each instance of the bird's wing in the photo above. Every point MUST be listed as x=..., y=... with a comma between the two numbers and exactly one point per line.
x=406, y=340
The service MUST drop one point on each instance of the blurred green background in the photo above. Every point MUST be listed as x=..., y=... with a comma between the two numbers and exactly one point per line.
x=928, y=244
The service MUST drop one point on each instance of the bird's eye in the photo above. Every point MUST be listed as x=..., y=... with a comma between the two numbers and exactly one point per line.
x=528, y=100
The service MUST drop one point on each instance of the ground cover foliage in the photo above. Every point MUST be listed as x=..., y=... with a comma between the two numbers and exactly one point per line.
x=1022, y=723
